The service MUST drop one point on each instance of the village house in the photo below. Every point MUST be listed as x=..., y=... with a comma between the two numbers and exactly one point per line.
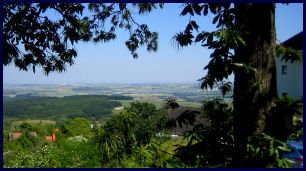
x=14, y=135
x=176, y=113
x=290, y=74
x=52, y=137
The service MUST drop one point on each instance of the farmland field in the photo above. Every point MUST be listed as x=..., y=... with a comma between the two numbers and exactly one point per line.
x=34, y=122
x=53, y=102
x=152, y=92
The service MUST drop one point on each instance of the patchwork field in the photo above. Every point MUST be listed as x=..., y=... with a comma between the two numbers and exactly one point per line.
x=34, y=122
x=189, y=95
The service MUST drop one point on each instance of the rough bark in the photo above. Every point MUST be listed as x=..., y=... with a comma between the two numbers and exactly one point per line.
x=254, y=92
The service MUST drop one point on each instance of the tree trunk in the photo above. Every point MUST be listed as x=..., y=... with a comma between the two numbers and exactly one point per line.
x=254, y=92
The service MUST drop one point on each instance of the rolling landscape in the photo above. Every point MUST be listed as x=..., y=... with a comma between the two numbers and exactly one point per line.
x=48, y=101
x=41, y=107
x=152, y=85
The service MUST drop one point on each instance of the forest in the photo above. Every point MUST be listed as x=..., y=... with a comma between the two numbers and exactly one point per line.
x=35, y=107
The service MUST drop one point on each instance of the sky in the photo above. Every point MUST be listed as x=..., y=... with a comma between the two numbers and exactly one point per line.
x=112, y=62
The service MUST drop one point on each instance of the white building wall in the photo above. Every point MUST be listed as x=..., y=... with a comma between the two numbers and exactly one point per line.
x=292, y=82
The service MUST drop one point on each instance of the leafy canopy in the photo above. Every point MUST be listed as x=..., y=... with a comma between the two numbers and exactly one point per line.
x=32, y=38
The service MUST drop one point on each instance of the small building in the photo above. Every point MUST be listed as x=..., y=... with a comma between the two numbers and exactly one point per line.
x=175, y=115
x=52, y=137
x=15, y=135
x=290, y=74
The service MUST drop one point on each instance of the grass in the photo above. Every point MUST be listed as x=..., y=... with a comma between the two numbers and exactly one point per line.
x=34, y=122
x=125, y=103
x=190, y=104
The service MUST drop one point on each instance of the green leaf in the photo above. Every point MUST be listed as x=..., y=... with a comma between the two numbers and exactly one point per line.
x=212, y=8
x=241, y=40
x=201, y=37
x=191, y=11
x=205, y=11
x=187, y=9
x=188, y=27
x=194, y=25
x=257, y=150
x=197, y=8
x=210, y=39
x=216, y=18
x=285, y=149
x=219, y=24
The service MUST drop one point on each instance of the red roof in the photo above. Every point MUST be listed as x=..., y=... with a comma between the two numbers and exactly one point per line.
x=17, y=134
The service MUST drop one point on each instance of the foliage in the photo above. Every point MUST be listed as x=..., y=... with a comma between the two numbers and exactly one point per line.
x=226, y=38
x=202, y=147
x=283, y=112
x=149, y=120
x=127, y=137
x=265, y=151
x=171, y=102
x=151, y=155
x=288, y=53
x=49, y=42
x=209, y=146
x=89, y=106
x=77, y=126
x=26, y=127
x=289, y=105
x=296, y=135
x=244, y=44
x=225, y=87
x=297, y=130
x=65, y=155
x=27, y=140
x=220, y=114
x=136, y=124
x=110, y=146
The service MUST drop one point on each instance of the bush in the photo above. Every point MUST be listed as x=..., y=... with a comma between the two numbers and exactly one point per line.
x=67, y=154
x=209, y=146
x=77, y=126
x=265, y=151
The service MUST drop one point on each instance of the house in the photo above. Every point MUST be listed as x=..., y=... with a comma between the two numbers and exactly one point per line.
x=177, y=113
x=290, y=74
x=52, y=137
x=15, y=135
x=49, y=138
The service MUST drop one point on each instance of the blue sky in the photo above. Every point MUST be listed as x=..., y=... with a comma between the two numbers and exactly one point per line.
x=112, y=62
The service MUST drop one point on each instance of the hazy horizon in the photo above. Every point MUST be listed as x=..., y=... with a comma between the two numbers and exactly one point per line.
x=71, y=83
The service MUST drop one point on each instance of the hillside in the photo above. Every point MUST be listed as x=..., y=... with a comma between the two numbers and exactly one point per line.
x=34, y=107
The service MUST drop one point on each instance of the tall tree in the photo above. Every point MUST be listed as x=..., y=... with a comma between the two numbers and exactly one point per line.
x=254, y=93
x=244, y=43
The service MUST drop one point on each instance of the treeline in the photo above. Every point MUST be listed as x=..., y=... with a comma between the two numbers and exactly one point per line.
x=35, y=107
